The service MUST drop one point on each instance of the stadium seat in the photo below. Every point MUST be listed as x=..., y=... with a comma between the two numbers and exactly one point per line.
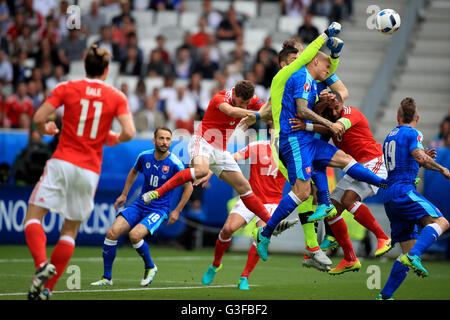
x=189, y=20
x=321, y=23
x=130, y=80
x=152, y=83
x=144, y=19
x=270, y=9
x=255, y=36
x=166, y=18
x=194, y=6
x=246, y=7
x=147, y=45
x=220, y=5
x=262, y=23
x=226, y=47
x=289, y=24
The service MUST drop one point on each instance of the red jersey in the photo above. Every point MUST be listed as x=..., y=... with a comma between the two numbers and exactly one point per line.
x=266, y=181
x=217, y=127
x=357, y=140
x=89, y=109
x=15, y=107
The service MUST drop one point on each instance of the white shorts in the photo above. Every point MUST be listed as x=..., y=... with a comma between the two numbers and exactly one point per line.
x=219, y=160
x=363, y=189
x=240, y=209
x=66, y=189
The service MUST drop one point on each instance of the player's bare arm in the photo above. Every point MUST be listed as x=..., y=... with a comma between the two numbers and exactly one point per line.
x=304, y=112
x=175, y=214
x=131, y=178
x=40, y=120
x=235, y=112
x=426, y=161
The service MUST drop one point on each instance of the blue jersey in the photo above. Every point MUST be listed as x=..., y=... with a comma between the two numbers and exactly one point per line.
x=322, y=85
x=156, y=173
x=300, y=85
x=401, y=166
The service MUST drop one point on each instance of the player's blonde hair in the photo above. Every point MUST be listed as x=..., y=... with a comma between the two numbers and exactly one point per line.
x=96, y=62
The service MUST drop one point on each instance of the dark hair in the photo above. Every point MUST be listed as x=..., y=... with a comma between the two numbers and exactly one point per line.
x=97, y=60
x=408, y=110
x=162, y=128
x=338, y=95
x=290, y=46
x=244, y=89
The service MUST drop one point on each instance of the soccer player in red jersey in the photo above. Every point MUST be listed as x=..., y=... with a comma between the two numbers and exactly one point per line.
x=267, y=182
x=69, y=181
x=207, y=148
x=358, y=142
x=18, y=109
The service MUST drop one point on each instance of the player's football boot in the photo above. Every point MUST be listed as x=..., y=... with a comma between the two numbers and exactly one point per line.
x=243, y=283
x=384, y=245
x=415, y=263
x=329, y=242
x=41, y=276
x=319, y=256
x=262, y=243
x=150, y=196
x=323, y=211
x=380, y=297
x=45, y=294
x=102, y=282
x=346, y=266
x=283, y=226
x=208, y=277
x=149, y=274
x=311, y=263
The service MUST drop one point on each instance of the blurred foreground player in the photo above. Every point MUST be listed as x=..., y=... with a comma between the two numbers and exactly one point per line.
x=69, y=181
x=405, y=207
x=157, y=165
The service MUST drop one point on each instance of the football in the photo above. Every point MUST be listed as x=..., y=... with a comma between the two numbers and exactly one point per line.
x=388, y=21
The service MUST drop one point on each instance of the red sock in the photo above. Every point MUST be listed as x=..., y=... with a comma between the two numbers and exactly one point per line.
x=60, y=258
x=340, y=232
x=221, y=246
x=255, y=205
x=252, y=260
x=36, y=239
x=177, y=180
x=362, y=214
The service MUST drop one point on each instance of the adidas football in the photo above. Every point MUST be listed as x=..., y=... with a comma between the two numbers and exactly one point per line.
x=387, y=21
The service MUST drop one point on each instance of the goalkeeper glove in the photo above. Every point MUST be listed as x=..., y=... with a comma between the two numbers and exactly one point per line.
x=333, y=29
x=335, y=45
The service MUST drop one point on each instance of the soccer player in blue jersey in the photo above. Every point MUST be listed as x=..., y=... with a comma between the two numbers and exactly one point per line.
x=299, y=151
x=405, y=207
x=157, y=165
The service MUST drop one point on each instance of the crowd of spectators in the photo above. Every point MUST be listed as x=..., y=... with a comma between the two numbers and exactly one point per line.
x=37, y=50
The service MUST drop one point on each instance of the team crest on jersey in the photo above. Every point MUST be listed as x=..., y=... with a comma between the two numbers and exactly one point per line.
x=165, y=169
x=147, y=165
x=420, y=138
x=308, y=170
x=307, y=87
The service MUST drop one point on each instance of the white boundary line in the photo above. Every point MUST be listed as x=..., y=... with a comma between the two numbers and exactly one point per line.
x=126, y=289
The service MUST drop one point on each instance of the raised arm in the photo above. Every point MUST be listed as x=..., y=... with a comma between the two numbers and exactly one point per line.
x=424, y=160
x=235, y=111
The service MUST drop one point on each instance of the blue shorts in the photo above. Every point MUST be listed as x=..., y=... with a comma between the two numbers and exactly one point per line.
x=404, y=213
x=150, y=217
x=301, y=157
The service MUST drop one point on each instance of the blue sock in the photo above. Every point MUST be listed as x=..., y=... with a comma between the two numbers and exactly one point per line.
x=426, y=238
x=109, y=254
x=398, y=274
x=284, y=209
x=321, y=181
x=358, y=172
x=143, y=250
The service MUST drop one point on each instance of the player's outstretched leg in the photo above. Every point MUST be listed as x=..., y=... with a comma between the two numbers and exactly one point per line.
x=262, y=235
x=222, y=244
x=252, y=260
x=363, y=216
x=325, y=209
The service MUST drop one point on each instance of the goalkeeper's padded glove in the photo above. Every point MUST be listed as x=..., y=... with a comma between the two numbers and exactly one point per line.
x=335, y=45
x=333, y=29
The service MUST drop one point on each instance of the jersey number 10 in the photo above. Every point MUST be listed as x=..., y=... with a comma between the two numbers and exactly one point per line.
x=389, y=154
x=84, y=111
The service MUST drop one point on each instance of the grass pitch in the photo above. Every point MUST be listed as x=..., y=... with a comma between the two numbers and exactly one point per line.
x=179, y=275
